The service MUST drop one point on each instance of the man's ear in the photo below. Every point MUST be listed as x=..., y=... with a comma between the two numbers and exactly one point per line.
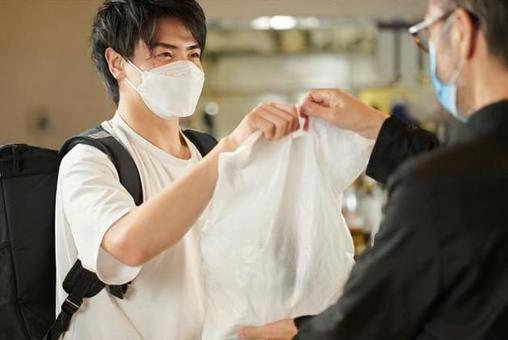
x=115, y=63
x=465, y=34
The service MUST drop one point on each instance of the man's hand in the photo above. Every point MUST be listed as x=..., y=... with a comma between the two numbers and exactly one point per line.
x=344, y=111
x=280, y=330
x=274, y=120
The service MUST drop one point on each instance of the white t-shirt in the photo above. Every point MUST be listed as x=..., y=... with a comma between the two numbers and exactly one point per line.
x=165, y=298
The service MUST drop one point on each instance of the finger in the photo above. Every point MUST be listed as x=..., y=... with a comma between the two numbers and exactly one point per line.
x=259, y=123
x=288, y=113
x=281, y=126
x=281, y=114
x=292, y=110
x=284, y=329
x=276, y=117
x=316, y=110
x=252, y=333
x=319, y=96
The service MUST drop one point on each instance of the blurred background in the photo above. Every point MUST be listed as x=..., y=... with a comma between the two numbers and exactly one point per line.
x=256, y=51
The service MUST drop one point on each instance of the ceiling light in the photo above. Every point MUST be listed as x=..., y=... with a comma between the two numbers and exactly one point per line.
x=281, y=22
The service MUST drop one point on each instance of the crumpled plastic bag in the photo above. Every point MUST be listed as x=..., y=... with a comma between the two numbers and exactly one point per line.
x=275, y=245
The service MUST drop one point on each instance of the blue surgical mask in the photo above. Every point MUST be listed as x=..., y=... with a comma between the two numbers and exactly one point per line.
x=446, y=92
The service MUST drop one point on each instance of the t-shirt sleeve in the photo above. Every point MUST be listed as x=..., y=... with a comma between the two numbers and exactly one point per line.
x=345, y=153
x=93, y=200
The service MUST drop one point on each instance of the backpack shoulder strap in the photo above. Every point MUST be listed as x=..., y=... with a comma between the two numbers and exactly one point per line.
x=119, y=156
x=203, y=141
x=80, y=283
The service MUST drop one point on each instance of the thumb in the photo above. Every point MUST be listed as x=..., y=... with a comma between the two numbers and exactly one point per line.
x=312, y=109
x=319, y=97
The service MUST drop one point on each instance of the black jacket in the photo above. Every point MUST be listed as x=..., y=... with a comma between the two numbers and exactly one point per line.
x=439, y=267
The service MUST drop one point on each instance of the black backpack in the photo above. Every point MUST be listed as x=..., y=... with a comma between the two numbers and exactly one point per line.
x=28, y=179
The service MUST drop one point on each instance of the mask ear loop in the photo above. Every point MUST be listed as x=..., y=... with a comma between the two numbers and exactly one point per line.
x=456, y=73
x=137, y=69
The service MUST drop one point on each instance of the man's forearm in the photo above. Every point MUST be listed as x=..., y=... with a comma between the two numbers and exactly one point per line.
x=163, y=220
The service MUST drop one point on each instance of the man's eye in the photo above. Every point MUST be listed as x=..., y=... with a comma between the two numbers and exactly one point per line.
x=196, y=55
x=164, y=55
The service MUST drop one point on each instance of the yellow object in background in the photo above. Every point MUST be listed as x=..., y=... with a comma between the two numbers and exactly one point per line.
x=383, y=98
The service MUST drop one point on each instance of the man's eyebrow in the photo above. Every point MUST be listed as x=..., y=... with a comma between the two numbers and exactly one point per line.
x=174, y=47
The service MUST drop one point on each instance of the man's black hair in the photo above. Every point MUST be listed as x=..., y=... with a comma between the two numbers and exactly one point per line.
x=120, y=24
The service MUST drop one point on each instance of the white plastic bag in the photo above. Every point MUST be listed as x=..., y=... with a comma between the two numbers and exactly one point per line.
x=275, y=245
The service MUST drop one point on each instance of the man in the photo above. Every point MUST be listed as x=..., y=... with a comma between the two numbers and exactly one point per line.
x=439, y=269
x=149, y=54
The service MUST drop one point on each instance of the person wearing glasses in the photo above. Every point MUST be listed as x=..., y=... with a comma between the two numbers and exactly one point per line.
x=439, y=267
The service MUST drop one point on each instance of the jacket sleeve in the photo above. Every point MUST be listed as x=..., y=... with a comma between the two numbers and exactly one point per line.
x=396, y=143
x=392, y=288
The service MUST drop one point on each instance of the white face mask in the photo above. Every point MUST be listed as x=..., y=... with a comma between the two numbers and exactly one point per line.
x=171, y=91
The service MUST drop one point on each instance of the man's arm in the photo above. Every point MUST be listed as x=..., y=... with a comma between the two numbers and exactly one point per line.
x=395, y=141
x=162, y=221
x=391, y=288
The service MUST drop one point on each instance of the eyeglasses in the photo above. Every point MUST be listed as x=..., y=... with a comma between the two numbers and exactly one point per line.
x=420, y=32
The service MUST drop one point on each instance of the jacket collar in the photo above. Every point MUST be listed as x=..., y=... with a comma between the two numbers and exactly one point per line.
x=490, y=120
